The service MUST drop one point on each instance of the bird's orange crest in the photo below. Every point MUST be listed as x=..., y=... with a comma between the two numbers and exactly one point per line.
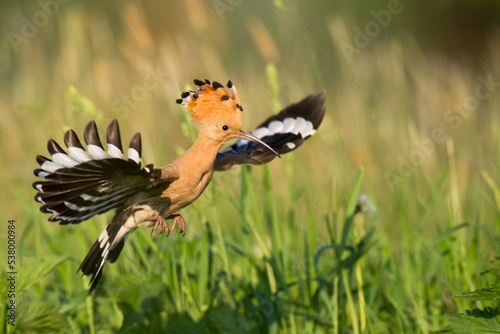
x=210, y=99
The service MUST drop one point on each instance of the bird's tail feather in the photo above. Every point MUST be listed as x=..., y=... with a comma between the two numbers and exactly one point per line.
x=107, y=247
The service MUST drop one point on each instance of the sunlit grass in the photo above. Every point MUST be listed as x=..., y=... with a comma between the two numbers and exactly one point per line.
x=273, y=249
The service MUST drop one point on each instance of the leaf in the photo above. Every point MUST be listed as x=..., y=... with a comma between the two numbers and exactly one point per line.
x=181, y=323
x=475, y=321
x=137, y=290
x=319, y=252
x=32, y=274
x=482, y=294
x=223, y=319
x=493, y=187
x=353, y=200
x=39, y=317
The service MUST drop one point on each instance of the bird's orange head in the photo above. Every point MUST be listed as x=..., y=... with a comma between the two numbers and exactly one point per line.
x=210, y=101
x=218, y=112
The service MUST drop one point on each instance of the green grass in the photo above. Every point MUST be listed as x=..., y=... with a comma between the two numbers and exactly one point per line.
x=276, y=248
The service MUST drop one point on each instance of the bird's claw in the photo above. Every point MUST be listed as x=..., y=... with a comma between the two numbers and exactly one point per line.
x=178, y=219
x=162, y=226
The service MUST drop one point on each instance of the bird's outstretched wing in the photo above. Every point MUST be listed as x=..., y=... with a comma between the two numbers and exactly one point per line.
x=284, y=132
x=83, y=183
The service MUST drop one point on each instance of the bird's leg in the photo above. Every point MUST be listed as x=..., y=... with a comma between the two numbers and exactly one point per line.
x=178, y=219
x=163, y=227
x=160, y=221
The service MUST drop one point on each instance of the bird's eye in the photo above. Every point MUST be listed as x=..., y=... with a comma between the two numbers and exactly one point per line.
x=225, y=127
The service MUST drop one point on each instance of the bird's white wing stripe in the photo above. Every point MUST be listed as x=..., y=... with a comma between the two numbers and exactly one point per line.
x=64, y=159
x=50, y=166
x=87, y=197
x=297, y=126
x=288, y=125
x=112, y=198
x=79, y=154
x=101, y=189
x=276, y=127
x=307, y=130
x=96, y=152
x=134, y=155
x=261, y=132
x=299, y=123
x=114, y=151
x=43, y=175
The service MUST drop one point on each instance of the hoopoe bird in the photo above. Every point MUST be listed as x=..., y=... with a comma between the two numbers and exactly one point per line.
x=82, y=183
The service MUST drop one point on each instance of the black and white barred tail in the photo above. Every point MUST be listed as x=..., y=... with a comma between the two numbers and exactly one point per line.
x=284, y=132
x=107, y=247
x=85, y=182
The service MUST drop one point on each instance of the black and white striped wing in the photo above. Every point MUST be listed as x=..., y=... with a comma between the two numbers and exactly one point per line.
x=83, y=183
x=284, y=132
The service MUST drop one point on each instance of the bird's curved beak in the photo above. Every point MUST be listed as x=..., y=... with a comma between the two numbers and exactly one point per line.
x=246, y=135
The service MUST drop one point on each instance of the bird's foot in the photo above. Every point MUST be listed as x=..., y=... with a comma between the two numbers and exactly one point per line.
x=178, y=219
x=162, y=226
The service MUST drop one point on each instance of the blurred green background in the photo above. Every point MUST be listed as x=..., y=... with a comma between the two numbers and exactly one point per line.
x=413, y=97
